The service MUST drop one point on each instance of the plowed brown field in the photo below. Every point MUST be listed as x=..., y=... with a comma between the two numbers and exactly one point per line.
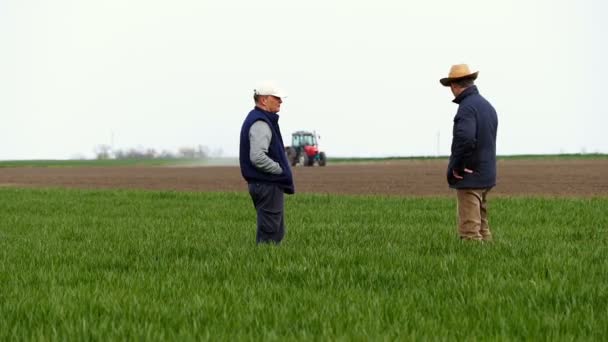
x=404, y=178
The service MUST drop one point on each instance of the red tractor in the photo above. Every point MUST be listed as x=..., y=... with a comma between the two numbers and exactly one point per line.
x=304, y=150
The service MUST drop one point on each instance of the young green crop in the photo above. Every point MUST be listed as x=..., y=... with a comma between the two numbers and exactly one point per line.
x=134, y=265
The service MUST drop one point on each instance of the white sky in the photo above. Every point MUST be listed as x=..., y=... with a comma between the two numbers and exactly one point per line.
x=364, y=75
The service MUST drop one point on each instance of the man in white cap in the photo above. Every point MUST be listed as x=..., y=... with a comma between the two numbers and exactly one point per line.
x=472, y=166
x=264, y=164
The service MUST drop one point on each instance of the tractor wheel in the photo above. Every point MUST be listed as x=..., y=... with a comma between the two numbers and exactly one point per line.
x=322, y=159
x=307, y=160
x=291, y=154
x=311, y=161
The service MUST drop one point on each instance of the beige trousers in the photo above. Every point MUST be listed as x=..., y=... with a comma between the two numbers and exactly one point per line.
x=473, y=214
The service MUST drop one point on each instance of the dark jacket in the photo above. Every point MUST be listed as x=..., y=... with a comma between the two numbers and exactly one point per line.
x=276, y=152
x=473, y=142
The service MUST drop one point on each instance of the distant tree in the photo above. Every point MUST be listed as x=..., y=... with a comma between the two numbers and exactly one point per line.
x=202, y=152
x=103, y=152
x=119, y=154
x=165, y=154
x=139, y=153
x=186, y=152
x=150, y=153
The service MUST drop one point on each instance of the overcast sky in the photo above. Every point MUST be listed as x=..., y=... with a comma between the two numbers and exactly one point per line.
x=363, y=74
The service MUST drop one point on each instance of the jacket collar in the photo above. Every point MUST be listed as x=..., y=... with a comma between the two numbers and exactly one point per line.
x=274, y=117
x=469, y=91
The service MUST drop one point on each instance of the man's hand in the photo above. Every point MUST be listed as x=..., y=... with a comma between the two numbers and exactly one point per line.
x=457, y=176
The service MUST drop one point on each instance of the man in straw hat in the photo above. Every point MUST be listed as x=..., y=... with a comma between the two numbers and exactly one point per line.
x=472, y=166
x=264, y=164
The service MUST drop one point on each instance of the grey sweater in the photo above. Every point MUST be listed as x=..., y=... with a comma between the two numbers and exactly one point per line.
x=259, y=140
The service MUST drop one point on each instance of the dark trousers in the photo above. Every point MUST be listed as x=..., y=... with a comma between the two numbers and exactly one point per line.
x=268, y=200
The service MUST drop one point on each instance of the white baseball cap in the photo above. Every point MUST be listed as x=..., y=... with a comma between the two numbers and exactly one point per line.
x=269, y=88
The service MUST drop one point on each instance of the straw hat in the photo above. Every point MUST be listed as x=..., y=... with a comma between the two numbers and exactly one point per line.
x=458, y=72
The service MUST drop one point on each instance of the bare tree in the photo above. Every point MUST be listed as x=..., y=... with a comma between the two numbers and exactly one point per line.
x=103, y=152
x=200, y=151
x=165, y=154
x=186, y=152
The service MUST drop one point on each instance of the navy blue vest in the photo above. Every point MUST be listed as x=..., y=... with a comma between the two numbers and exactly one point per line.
x=276, y=152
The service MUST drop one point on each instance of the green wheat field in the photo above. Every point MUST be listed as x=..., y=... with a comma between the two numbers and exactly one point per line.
x=79, y=265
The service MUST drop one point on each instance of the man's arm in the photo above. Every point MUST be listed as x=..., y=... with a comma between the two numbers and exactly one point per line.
x=259, y=140
x=465, y=141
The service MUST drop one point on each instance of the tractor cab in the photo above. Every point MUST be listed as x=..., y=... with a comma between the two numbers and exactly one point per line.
x=299, y=139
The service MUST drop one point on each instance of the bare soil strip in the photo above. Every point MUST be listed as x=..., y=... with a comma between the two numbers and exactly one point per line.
x=580, y=178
